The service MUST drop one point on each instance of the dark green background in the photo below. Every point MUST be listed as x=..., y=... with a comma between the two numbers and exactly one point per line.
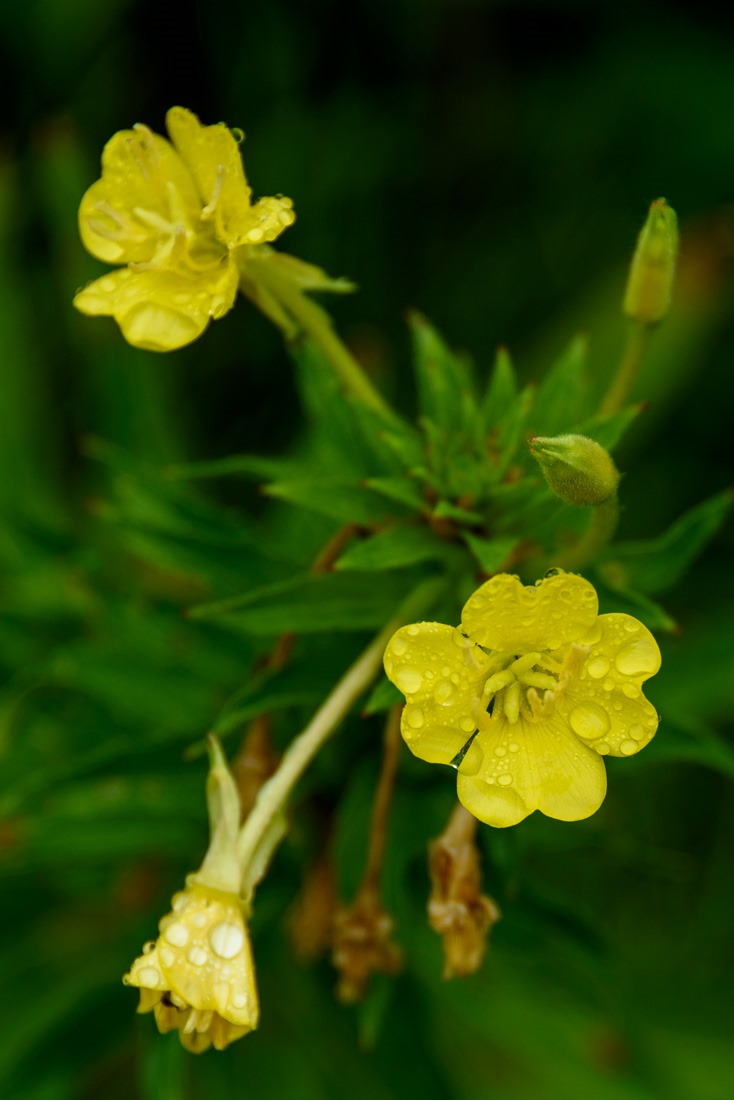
x=490, y=164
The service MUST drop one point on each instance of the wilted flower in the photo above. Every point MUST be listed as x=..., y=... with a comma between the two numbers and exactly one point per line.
x=457, y=909
x=363, y=946
x=527, y=696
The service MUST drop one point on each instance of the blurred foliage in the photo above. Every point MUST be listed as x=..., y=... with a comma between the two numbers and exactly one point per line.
x=490, y=164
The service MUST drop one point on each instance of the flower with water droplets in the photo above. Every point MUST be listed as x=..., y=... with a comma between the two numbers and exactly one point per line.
x=179, y=215
x=527, y=696
x=198, y=976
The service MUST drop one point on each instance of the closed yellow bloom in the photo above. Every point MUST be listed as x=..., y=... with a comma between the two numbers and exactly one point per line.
x=179, y=215
x=198, y=977
x=527, y=696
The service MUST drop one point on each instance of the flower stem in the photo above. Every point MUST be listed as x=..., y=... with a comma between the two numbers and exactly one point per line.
x=313, y=321
x=595, y=538
x=383, y=797
x=275, y=793
x=621, y=384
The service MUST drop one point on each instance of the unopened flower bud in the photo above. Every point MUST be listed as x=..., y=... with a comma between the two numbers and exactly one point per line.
x=650, y=281
x=577, y=469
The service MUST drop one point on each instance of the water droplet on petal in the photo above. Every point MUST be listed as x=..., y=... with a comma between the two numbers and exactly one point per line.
x=149, y=977
x=637, y=732
x=408, y=680
x=513, y=746
x=630, y=690
x=413, y=630
x=177, y=934
x=239, y=1000
x=504, y=780
x=226, y=939
x=500, y=751
x=399, y=647
x=603, y=748
x=467, y=724
x=598, y=666
x=414, y=717
x=628, y=747
x=444, y=693
x=197, y=956
x=639, y=658
x=589, y=721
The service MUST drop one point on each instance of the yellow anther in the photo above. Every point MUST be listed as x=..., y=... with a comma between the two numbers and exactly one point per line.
x=522, y=664
x=511, y=702
x=498, y=681
x=539, y=680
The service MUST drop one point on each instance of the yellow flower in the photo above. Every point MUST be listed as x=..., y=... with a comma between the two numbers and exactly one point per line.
x=527, y=696
x=198, y=977
x=179, y=214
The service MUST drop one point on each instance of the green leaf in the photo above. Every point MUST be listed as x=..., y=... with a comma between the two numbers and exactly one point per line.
x=492, y=554
x=560, y=398
x=394, y=548
x=339, y=499
x=445, y=389
x=384, y=696
x=446, y=510
x=502, y=392
x=404, y=490
x=311, y=604
x=248, y=466
x=658, y=564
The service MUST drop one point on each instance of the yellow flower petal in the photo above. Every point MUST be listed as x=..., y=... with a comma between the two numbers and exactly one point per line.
x=505, y=615
x=213, y=158
x=142, y=175
x=441, y=673
x=161, y=310
x=201, y=962
x=516, y=768
x=604, y=705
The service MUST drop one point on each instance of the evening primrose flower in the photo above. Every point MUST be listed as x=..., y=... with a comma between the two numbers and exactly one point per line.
x=198, y=977
x=527, y=696
x=179, y=214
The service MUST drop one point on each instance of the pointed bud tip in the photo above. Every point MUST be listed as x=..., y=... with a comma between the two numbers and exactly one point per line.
x=650, y=280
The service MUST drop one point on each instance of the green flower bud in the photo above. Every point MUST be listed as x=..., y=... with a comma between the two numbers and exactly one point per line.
x=650, y=281
x=577, y=469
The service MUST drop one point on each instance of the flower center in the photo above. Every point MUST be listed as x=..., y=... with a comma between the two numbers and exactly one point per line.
x=528, y=685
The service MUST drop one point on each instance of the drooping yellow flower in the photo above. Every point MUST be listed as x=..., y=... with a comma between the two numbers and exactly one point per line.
x=198, y=977
x=179, y=214
x=527, y=696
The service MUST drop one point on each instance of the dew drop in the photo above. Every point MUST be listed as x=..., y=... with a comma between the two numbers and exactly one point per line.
x=197, y=956
x=603, y=748
x=500, y=751
x=239, y=1000
x=631, y=690
x=589, y=721
x=504, y=780
x=199, y=920
x=608, y=684
x=148, y=947
x=180, y=901
x=107, y=285
x=467, y=724
x=399, y=647
x=413, y=629
x=408, y=680
x=513, y=746
x=631, y=625
x=598, y=666
x=168, y=957
x=414, y=717
x=177, y=934
x=639, y=658
x=637, y=733
x=628, y=747
x=149, y=977
x=617, y=705
x=226, y=939
x=444, y=693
